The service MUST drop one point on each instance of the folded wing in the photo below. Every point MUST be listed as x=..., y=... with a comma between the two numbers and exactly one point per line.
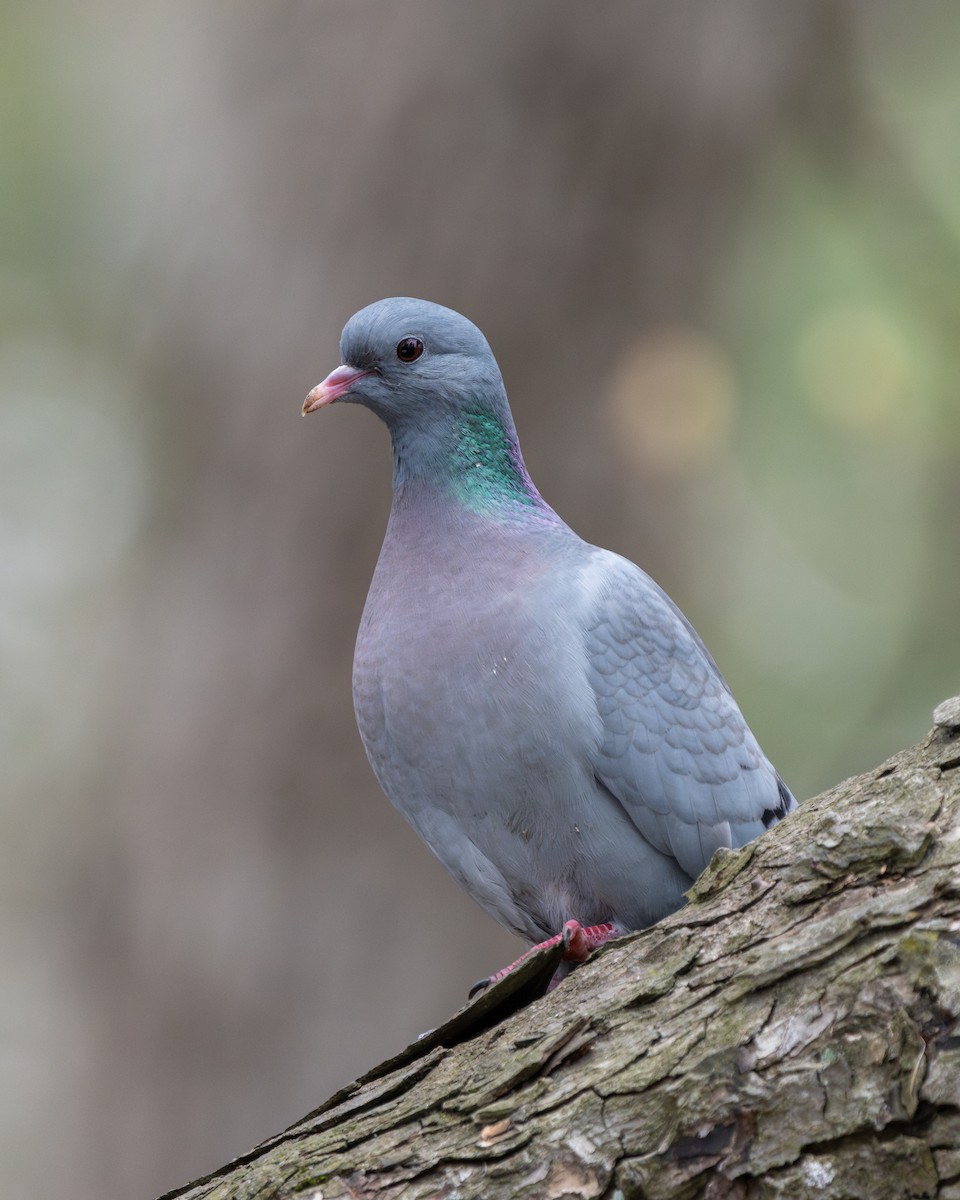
x=676, y=752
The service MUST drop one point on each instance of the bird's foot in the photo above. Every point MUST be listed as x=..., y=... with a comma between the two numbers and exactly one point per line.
x=578, y=942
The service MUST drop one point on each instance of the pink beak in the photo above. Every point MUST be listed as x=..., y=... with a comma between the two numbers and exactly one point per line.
x=336, y=384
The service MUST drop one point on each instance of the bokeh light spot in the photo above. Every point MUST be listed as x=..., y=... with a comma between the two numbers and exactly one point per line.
x=672, y=400
x=855, y=367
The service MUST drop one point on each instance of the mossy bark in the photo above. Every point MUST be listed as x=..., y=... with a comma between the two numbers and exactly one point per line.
x=792, y=1032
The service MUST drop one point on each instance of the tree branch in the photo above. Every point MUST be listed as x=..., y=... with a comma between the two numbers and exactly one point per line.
x=791, y=1032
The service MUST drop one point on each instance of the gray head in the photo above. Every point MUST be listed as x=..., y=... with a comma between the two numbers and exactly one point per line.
x=413, y=363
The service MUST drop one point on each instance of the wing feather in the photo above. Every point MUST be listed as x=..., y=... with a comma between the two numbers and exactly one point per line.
x=676, y=751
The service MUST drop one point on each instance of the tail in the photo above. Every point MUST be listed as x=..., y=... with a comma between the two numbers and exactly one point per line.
x=787, y=804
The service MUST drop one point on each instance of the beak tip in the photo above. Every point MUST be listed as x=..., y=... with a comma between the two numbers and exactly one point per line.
x=338, y=383
x=315, y=399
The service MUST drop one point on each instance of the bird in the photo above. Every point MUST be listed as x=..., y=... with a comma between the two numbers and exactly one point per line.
x=536, y=707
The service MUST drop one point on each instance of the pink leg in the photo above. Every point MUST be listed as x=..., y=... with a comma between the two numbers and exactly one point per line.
x=579, y=942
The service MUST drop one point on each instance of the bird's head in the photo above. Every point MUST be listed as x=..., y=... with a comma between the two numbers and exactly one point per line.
x=412, y=362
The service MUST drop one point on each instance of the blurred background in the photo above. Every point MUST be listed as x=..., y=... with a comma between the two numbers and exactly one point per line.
x=716, y=248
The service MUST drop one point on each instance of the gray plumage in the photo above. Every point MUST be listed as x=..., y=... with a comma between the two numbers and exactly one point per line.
x=536, y=707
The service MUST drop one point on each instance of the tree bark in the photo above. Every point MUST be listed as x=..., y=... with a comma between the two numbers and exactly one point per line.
x=791, y=1032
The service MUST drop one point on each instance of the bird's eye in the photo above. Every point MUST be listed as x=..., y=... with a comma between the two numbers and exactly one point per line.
x=409, y=349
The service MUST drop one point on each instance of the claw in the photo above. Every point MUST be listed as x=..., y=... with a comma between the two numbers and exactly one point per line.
x=482, y=984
